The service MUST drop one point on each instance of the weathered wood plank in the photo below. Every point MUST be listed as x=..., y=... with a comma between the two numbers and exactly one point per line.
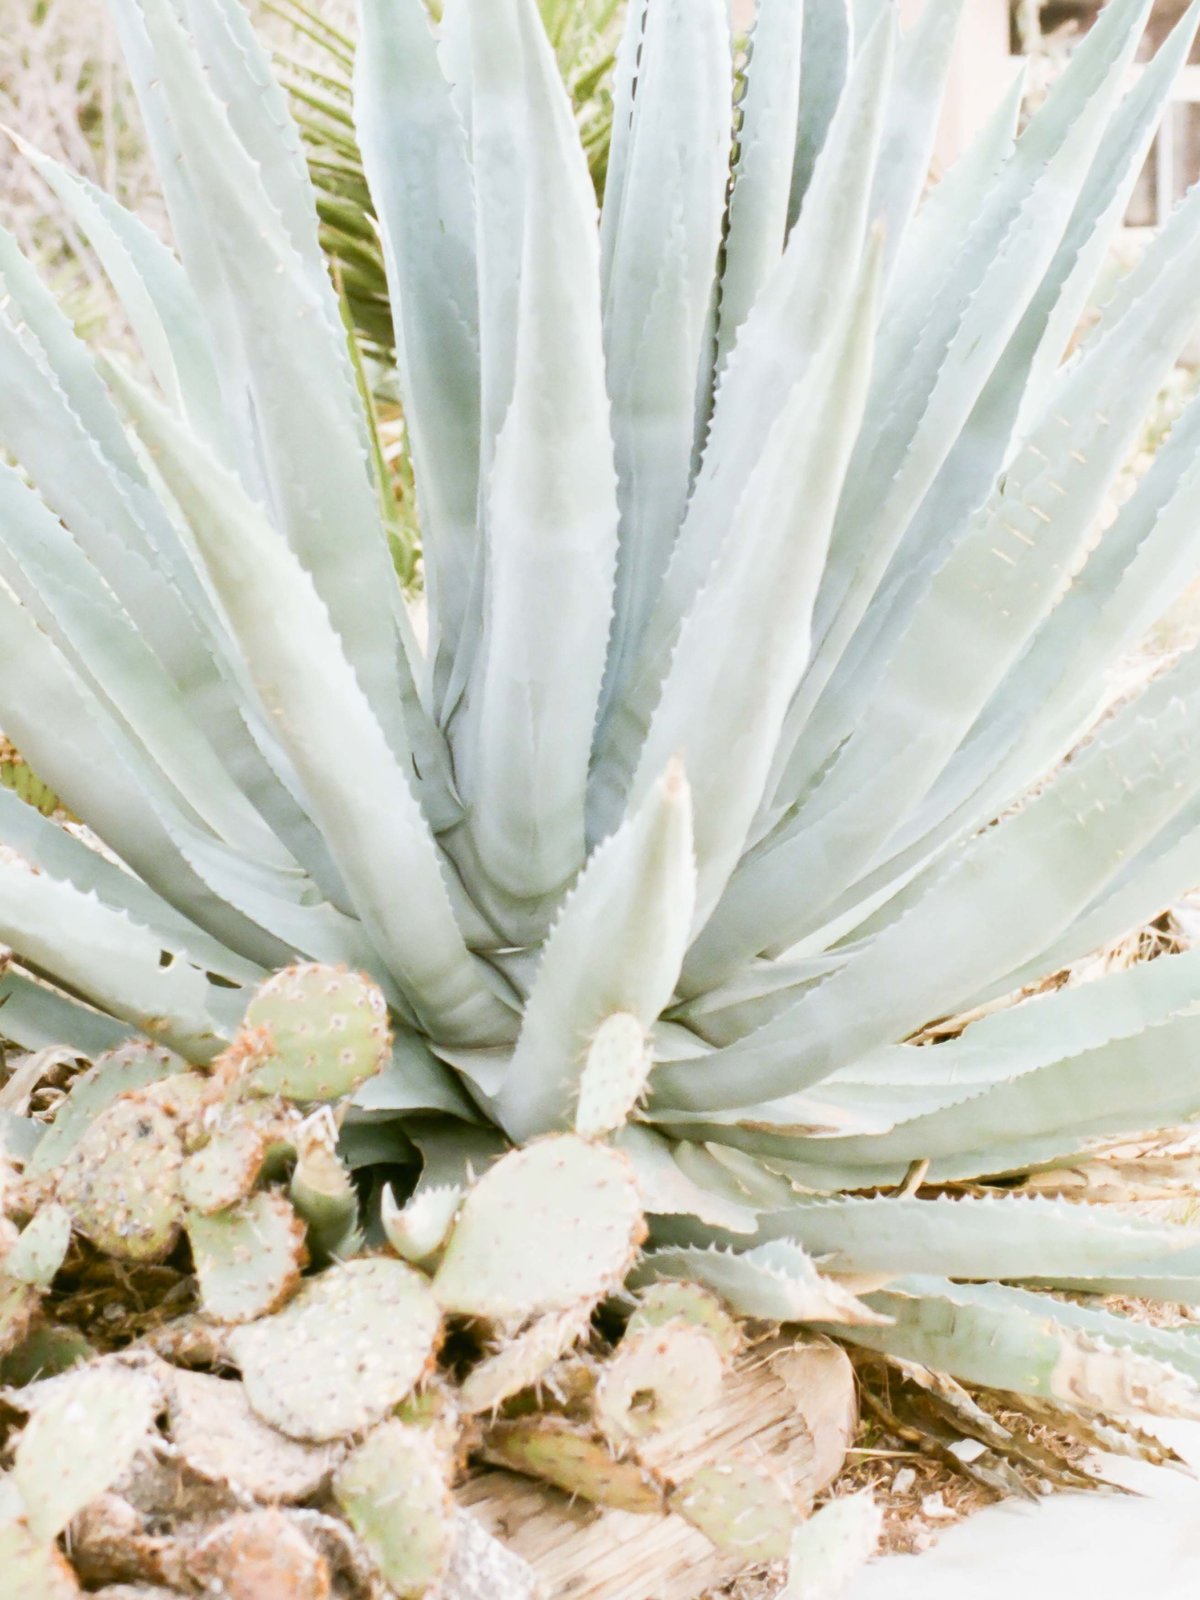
x=789, y=1403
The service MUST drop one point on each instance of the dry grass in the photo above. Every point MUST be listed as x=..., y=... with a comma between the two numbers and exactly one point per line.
x=63, y=88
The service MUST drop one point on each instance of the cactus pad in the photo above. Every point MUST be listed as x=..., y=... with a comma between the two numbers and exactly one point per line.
x=418, y=1229
x=656, y=1380
x=829, y=1548
x=674, y=1301
x=219, y=1437
x=18, y=1302
x=559, y=1452
x=548, y=1228
x=347, y=1349
x=742, y=1508
x=82, y=1436
x=44, y=1352
x=38, y=1254
x=614, y=1075
x=324, y=1032
x=119, y=1072
x=30, y=1567
x=120, y=1182
x=226, y=1169
x=248, y=1259
x=394, y=1490
x=522, y=1361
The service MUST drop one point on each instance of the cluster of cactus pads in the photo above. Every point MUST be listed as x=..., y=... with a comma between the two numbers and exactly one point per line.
x=333, y=1360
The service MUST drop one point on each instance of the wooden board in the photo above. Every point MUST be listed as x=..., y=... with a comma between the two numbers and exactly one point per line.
x=789, y=1402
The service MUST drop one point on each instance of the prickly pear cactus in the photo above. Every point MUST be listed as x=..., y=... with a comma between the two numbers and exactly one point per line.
x=120, y=1183
x=320, y=1033
x=30, y=1566
x=110, y=1078
x=656, y=1379
x=225, y=1169
x=745, y=1509
x=573, y=1459
x=523, y=1361
x=78, y=1441
x=348, y=1348
x=248, y=1258
x=548, y=1228
x=395, y=1491
x=41, y=1247
x=828, y=1549
x=336, y=1429
x=18, y=1304
x=614, y=1075
x=672, y=1300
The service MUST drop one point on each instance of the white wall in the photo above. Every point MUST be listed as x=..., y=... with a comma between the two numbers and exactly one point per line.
x=981, y=71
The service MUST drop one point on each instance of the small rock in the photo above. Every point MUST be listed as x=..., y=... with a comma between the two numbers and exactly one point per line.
x=968, y=1449
x=935, y=1508
x=904, y=1480
x=260, y=1555
x=110, y=1545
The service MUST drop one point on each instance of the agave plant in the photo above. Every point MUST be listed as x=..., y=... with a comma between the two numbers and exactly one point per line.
x=318, y=71
x=762, y=579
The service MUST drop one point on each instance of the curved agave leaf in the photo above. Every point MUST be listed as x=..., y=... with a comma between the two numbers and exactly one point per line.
x=1009, y=401
x=108, y=959
x=725, y=711
x=156, y=293
x=776, y=1282
x=407, y=126
x=827, y=51
x=664, y=233
x=1008, y=1339
x=374, y=827
x=776, y=348
x=1081, y=825
x=550, y=512
x=38, y=1018
x=52, y=849
x=302, y=389
x=950, y=315
x=1010, y=1236
x=617, y=946
x=1009, y=563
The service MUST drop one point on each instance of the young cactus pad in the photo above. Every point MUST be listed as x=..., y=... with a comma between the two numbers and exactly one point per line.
x=614, y=1075
x=41, y=1248
x=744, y=1508
x=31, y=1566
